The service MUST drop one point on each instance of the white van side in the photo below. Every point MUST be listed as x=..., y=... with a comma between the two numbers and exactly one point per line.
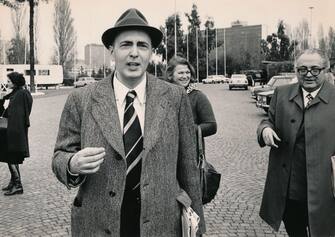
x=45, y=75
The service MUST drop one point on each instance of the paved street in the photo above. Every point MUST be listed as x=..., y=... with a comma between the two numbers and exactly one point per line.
x=44, y=208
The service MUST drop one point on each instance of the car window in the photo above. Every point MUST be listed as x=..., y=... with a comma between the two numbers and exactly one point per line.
x=283, y=81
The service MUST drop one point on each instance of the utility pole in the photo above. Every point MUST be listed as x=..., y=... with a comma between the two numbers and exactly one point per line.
x=310, y=31
x=187, y=46
x=224, y=51
x=216, y=51
x=196, y=39
x=206, y=52
x=175, y=27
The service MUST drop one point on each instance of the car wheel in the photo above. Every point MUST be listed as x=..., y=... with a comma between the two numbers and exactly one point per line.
x=246, y=88
x=230, y=88
x=266, y=110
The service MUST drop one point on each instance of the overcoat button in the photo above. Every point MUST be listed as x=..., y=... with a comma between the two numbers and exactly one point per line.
x=107, y=231
x=284, y=165
x=292, y=120
x=118, y=157
x=112, y=194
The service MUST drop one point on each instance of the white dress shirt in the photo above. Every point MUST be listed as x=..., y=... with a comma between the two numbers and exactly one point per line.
x=305, y=93
x=139, y=102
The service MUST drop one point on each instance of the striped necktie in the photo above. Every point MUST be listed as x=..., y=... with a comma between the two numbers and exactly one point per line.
x=133, y=142
x=309, y=98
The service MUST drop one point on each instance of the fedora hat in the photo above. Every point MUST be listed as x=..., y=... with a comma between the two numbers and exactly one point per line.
x=132, y=19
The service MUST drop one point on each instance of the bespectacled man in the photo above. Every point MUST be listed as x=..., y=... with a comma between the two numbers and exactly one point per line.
x=300, y=130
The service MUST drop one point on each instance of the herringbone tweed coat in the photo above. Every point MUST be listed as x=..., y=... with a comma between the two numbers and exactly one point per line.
x=90, y=119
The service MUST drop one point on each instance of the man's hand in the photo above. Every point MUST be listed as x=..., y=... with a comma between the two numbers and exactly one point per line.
x=87, y=160
x=269, y=137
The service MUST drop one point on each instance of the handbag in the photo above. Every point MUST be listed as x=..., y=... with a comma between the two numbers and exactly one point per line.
x=209, y=177
x=332, y=159
x=3, y=121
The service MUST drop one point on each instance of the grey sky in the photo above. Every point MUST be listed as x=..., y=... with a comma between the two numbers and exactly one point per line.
x=91, y=18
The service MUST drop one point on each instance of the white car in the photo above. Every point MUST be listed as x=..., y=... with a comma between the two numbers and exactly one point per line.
x=239, y=81
x=83, y=81
x=212, y=79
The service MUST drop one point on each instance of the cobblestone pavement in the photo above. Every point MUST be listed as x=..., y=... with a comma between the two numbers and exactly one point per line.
x=44, y=208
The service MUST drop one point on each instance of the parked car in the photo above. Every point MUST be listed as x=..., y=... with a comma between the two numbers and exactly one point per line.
x=83, y=81
x=212, y=79
x=255, y=76
x=272, y=84
x=239, y=81
x=264, y=98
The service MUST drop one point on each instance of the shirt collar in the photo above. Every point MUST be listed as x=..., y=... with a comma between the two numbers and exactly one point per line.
x=121, y=90
x=313, y=93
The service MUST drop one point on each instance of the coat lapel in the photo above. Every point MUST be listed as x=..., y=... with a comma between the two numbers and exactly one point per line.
x=323, y=94
x=155, y=112
x=296, y=96
x=104, y=112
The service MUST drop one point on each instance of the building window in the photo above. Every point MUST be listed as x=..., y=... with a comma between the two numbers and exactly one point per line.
x=27, y=72
x=44, y=72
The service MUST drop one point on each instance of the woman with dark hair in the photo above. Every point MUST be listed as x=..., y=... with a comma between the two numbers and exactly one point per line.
x=181, y=72
x=14, y=147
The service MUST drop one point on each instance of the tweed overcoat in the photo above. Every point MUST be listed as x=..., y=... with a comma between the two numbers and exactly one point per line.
x=169, y=171
x=285, y=116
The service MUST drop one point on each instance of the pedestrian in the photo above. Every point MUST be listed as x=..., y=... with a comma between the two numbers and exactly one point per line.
x=181, y=72
x=128, y=144
x=300, y=130
x=14, y=140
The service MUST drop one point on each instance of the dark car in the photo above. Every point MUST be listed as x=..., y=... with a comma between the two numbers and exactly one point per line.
x=264, y=98
x=271, y=85
x=255, y=76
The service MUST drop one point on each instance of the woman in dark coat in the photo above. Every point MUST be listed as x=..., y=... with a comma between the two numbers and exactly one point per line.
x=181, y=72
x=14, y=147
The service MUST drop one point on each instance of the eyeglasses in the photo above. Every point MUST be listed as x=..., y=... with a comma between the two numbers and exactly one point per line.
x=315, y=71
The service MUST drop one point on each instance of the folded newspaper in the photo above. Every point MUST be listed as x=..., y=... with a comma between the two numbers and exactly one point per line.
x=190, y=222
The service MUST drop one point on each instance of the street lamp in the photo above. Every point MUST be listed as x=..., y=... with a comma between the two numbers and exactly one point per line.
x=310, y=31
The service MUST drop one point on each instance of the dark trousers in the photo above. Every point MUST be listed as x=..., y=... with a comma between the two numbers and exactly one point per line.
x=130, y=214
x=296, y=218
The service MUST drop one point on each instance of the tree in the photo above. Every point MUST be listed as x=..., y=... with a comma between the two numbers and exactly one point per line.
x=301, y=34
x=169, y=30
x=64, y=35
x=17, y=52
x=277, y=46
x=194, y=30
x=284, y=44
x=322, y=39
x=32, y=4
x=331, y=43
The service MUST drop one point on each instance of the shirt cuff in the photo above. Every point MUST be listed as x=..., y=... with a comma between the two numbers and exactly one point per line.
x=74, y=180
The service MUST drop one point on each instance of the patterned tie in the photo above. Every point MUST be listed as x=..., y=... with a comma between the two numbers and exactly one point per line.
x=133, y=143
x=310, y=98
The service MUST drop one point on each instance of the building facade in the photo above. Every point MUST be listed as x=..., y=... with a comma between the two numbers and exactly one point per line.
x=243, y=43
x=97, y=56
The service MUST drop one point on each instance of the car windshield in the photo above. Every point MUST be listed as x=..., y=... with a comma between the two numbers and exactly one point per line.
x=238, y=76
x=282, y=81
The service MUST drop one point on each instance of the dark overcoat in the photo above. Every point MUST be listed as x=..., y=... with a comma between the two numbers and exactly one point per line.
x=17, y=113
x=285, y=117
x=90, y=119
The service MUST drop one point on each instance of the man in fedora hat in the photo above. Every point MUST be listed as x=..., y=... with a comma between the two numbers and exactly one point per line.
x=128, y=142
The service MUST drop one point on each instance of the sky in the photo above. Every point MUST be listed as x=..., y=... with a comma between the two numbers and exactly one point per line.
x=92, y=18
